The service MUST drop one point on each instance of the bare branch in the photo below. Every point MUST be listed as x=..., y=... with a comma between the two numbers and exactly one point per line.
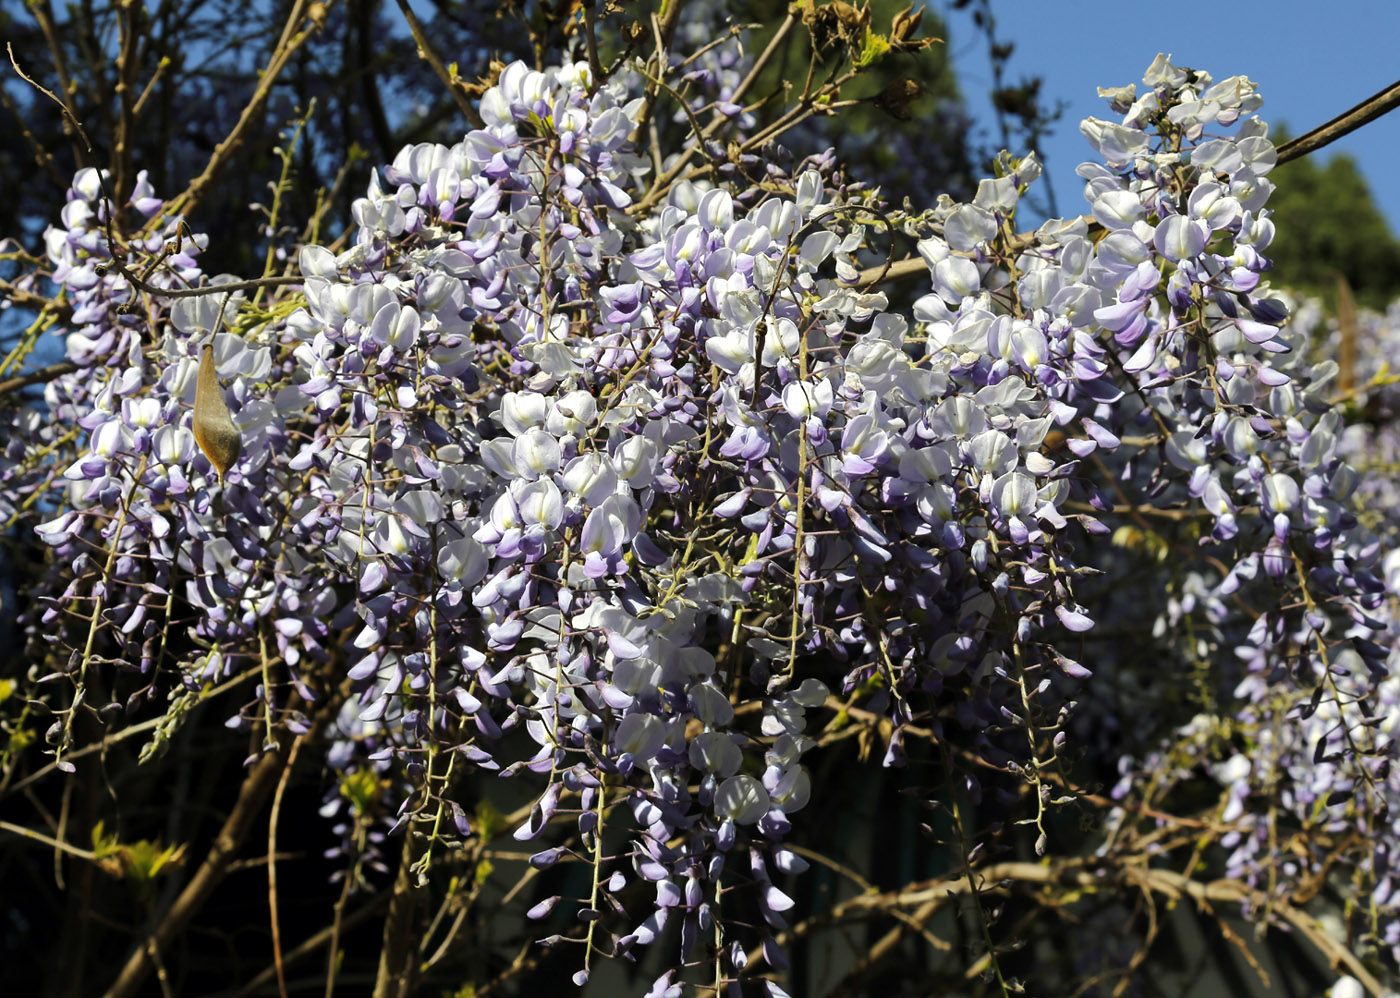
x=258, y=785
x=1348, y=121
x=299, y=27
x=425, y=49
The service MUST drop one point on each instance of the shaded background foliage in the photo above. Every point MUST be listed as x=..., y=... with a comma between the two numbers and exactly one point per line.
x=1330, y=227
x=373, y=95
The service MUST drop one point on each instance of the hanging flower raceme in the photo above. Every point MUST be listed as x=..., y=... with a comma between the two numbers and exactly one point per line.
x=616, y=501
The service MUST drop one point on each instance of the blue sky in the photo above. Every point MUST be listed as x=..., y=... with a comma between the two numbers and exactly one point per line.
x=1312, y=60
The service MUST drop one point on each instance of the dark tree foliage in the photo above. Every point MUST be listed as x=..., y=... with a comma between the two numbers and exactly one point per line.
x=1329, y=226
x=1024, y=115
x=165, y=104
x=198, y=61
x=905, y=125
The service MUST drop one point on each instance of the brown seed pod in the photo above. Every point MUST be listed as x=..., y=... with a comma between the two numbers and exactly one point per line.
x=213, y=423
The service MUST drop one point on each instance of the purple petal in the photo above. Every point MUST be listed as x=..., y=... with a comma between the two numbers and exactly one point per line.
x=1073, y=619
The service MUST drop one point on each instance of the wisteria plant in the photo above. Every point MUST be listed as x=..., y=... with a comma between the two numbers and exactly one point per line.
x=612, y=494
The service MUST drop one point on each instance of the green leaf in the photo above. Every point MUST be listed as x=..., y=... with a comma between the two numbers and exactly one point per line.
x=873, y=47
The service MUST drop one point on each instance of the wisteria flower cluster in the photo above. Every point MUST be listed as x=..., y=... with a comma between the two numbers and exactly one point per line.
x=637, y=496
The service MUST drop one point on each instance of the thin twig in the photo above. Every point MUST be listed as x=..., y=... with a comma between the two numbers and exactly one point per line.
x=294, y=35
x=42, y=375
x=272, y=864
x=44, y=15
x=1348, y=121
x=312, y=944
x=665, y=29
x=123, y=735
x=125, y=93
x=56, y=844
x=41, y=155
x=69, y=120
x=590, y=34
x=258, y=785
x=1087, y=873
x=761, y=62
x=399, y=959
x=1323, y=135
x=425, y=50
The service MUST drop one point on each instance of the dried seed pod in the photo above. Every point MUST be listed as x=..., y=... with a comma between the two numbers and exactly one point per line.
x=213, y=423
